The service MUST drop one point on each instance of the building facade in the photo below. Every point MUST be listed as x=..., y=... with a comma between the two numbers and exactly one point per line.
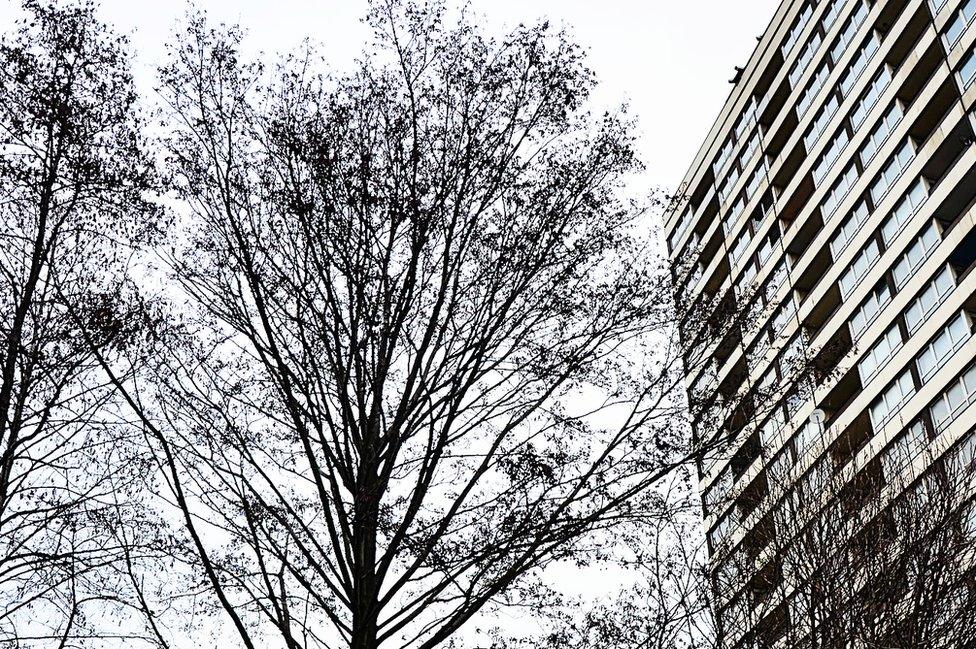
x=823, y=245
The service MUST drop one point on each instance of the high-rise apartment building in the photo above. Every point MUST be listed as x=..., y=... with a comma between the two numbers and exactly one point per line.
x=823, y=248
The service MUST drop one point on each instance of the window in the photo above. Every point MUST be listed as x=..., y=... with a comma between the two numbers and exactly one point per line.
x=871, y=96
x=860, y=62
x=794, y=34
x=950, y=403
x=766, y=386
x=741, y=244
x=767, y=246
x=783, y=314
x=733, y=214
x=756, y=178
x=891, y=172
x=877, y=300
x=751, y=146
x=772, y=428
x=937, y=5
x=820, y=123
x=731, y=570
x=721, y=532
x=830, y=156
x=757, y=351
x=680, y=228
x=709, y=375
x=903, y=451
x=849, y=32
x=831, y=13
x=880, y=354
x=792, y=360
x=969, y=522
x=734, y=618
x=907, y=207
x=776, y=279
x=815, y=481
x=937, y=352
x=839, y=191
x=859, y=268
x=968, y=69
x=881, y=133
x=800, y=604
x=768, y=201
x=748, y=274
x=726, y=189
x=803, y=60
x=960, y=20
x=848, y=229
x=696, y=276
x=779, y=468
x=723, y=157
x=806, y=99
x=704, y=387
x=718, y=493
x=885, y=406
x=795, y=399
x=748, y=116
x=964, y=457
x=915, y=256
x=921, y=494
x=929, y=299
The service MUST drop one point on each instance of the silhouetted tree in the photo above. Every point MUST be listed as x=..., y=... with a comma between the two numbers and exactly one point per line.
x=668, y=604
x=423, y=351
x=880, y=559
x=73, y=179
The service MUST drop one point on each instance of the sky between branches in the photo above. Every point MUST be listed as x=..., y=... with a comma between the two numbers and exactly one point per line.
x=670, y=59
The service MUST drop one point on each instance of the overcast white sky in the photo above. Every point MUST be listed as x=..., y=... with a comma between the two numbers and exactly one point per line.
x=671, y=59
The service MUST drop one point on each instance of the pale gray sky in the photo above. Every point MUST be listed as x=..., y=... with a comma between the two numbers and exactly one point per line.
x=670, y=59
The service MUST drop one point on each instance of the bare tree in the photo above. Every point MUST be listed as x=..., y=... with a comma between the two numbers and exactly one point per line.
x=73, y=179
x=668, y=605
x=832, y=558
x=885, y=560
x=422, y=350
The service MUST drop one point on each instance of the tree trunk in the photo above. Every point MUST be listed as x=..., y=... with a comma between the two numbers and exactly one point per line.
x=366, y=587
